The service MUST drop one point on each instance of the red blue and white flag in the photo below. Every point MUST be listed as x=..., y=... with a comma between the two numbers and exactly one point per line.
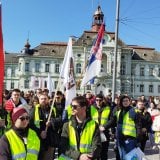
x=1, y=58
x=94, y=64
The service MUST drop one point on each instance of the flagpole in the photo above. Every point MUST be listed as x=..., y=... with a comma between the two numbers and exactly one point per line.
x=115, y=51
x=51, y=108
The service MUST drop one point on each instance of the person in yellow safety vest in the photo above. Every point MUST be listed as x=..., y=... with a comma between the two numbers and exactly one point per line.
x=100, y=112
x=80, y=138
x=128, y=125
x=20, y=142
x=39, y=123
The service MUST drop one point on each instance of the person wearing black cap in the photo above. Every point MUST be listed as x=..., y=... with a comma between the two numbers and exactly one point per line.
x=20, y=142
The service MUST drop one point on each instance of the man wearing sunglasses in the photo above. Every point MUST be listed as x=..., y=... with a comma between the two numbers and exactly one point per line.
x=100, y=112
x=20, y=142
x=80, y=138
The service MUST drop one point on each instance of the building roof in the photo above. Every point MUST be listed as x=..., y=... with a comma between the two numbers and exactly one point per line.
x=56, y=49
x=145, y=53
x=11, y=58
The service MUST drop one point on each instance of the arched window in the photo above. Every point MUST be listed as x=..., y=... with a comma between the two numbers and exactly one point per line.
x=78, y=68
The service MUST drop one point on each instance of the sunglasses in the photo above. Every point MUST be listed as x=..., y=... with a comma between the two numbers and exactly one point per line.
x=75, y=106
x=24, y=118
x=58, y=97
x=98, y=100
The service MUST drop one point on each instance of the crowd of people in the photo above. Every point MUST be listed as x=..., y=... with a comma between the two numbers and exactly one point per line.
x=34, y=127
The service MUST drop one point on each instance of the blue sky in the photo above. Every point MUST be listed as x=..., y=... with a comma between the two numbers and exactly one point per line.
x=56, y=20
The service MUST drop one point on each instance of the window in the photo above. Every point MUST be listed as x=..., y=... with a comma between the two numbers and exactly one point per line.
x=132, y=89
x=142, y=71
x=123, y=87
x=57, y=66
x=133, y=71
x=150, y=71
x=102, y=68
x=150, y=88
x=19, y=67
x=88, y=87
x=159, y=72
x=37, y=67
x=13, y=72
x=26, y=84
x=123, y=69
x=26, y=67
x=141, y=88
x=5, y=72
x=55, y=84
x=45, y=84
x=12, y=85
x=36, y=83
x=5, y=85
x=47, y=68
x=78, y=68
x=158, y=88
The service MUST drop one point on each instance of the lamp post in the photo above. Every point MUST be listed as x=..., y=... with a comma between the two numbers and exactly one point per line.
x=115, y=51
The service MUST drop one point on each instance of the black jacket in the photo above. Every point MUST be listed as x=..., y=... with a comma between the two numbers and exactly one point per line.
x=75, y=154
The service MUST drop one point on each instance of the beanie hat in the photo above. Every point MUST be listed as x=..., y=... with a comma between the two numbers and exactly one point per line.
x=17, y=112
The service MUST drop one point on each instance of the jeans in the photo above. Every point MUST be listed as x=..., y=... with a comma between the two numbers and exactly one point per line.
x=126, y=146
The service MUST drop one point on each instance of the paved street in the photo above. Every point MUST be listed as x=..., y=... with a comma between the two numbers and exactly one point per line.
x=150, y=153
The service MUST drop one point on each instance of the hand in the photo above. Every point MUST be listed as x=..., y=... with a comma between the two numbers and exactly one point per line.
x=2, y=123
x=144, y=130
x=48, y=123
x=43, y=134
x=85, y=156
x=101, y=128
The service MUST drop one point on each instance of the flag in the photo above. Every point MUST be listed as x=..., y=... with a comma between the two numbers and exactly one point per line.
x=41, y=82
x=67, y=74
x=33, y=80
x=50, y=86
x=1, y=58
x=94, y=64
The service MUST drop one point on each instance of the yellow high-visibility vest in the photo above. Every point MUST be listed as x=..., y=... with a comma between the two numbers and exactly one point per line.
x=128, y=126
x=104, y=116
x=69, y=111
x=85, y=138
x=17, y=147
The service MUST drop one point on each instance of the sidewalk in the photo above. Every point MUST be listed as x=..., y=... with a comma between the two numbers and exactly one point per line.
x=151, y=154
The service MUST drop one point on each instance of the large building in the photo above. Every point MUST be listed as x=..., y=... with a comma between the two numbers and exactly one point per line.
x=138, y=68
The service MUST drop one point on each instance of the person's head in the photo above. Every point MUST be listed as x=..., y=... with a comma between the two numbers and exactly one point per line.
x=20, y=117
x=140, y=104
x=58, y=97
x=99, y=100
x=35, y=101
x=43, y=100
x=45, y=91
x=142, y=97
x=15, y=95
x=38, y=92
x=134, y=102
x=152, y=105
x=88, y=95
x=79, y=106
x=124, y=101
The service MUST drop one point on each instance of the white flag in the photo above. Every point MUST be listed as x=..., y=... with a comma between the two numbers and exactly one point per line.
x=50, y=86
x=67, y=74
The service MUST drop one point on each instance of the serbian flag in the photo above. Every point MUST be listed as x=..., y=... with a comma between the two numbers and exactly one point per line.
x=1, y=58
x=94, y=64
x=67, y=74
